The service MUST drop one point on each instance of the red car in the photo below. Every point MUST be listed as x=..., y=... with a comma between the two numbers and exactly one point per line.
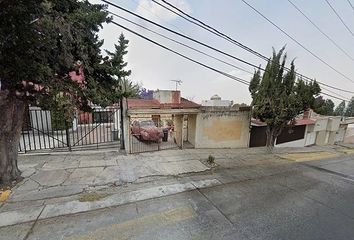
x=146, y=130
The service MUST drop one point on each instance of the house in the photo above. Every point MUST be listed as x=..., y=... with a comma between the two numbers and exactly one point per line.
x=193, y=125
x=309, y=129
x=215, y=101
x=298, y=135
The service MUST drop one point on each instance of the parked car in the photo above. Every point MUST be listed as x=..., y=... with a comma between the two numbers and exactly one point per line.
x=146, y=130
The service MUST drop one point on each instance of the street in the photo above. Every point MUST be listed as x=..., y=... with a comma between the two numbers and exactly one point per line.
x=272, y=199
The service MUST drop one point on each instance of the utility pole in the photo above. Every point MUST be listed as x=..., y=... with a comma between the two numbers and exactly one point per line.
x=177, y=82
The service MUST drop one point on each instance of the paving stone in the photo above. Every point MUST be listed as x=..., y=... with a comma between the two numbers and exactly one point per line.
x=50, y=178
x=15, y=232
x=176, y=168
x=61, y=165
x=83, y=176
x=110, y=162
x=21, y=216
x=52, y=192
x=92, y=163
x=27, y=185
x=12, y=206
x=108, y=175
x=28, y=172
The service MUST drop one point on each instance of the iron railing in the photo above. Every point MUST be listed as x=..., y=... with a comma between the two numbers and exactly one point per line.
x=48, y=130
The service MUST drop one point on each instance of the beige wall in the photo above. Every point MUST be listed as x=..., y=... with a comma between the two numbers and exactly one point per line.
x=222, y=128
x=321, y=138
x=178, y=127
x=191, y=129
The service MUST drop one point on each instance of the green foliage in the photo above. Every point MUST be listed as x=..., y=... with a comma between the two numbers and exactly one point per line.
x=42, y=41
x=277, y=97
x=211, y=160
x=349, y=111
x=323, y=107
x=122, y=86
x=339, y=111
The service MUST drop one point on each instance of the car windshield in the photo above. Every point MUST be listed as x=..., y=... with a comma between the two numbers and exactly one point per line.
x=148, y=123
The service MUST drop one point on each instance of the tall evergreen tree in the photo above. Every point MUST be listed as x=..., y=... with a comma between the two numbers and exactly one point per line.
x=339, y=111
x=278, y=98
x=349, y=111
x=49, y=56
x=323, y=106
x=117, y=69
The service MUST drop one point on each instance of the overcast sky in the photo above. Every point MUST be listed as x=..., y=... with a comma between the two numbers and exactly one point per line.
x=154, y=67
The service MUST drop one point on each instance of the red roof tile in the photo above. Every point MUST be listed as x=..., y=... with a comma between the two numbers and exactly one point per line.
x=135, y=103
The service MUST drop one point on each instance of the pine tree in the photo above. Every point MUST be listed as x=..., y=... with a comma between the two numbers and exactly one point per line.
x=323, y=106
x=339, y=111
x=278, y=98
x=124, y=87
x=349, y=111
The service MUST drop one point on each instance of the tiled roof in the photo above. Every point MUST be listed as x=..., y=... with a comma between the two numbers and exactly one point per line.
x=135, y=103
x=304, y=122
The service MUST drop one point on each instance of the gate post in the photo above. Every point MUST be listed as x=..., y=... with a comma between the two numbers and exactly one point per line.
x=68, y=144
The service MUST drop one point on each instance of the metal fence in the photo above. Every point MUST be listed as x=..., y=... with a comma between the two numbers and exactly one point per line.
x=152, y=133
x=48, y=130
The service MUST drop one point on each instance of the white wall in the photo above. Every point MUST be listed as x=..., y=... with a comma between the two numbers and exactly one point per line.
x=216, y=103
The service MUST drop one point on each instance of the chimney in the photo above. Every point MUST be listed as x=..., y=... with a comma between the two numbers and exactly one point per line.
x=176, y=97
x=306, y=114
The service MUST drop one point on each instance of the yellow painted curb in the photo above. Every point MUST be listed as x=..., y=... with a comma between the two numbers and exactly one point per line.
x=347, y=151
x=307, y=156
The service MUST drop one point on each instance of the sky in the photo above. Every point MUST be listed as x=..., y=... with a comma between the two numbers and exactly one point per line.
x=154, y=67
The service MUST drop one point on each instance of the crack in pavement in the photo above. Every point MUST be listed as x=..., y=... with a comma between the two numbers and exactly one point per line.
x=30, y=231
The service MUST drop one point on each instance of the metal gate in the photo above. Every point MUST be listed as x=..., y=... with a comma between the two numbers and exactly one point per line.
x=152, y=133
x=47, y=130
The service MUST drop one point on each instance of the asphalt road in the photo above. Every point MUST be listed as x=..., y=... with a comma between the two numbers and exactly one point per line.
x=303, y=203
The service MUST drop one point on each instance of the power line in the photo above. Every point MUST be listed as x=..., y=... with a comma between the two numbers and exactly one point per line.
x=351, y=5
x=180, y=43
x=184, y=56
x=205, y=45
x=340, y=18
x=207, y=27
x=329, y=95
x=148, y=10
x=185, y=45
x=192, y=60
x=182, y=35
x=320, y=30
x=218, y=33
x=296, y=41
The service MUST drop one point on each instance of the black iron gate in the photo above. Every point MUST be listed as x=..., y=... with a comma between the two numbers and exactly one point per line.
x=47, y=130
x=152, y=133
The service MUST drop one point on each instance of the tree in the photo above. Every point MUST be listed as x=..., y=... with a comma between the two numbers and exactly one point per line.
x=323, y=106
x=339, y=111
x=277, y=98
x=125, y=88
x=49, y=56
x=117, y=65
x=349, y=111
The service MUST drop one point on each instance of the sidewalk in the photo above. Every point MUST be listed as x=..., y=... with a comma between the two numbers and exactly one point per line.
x=67, y=183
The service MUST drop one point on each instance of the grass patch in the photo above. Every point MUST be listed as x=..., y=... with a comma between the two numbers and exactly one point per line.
x=211, y=160
x=92, y=197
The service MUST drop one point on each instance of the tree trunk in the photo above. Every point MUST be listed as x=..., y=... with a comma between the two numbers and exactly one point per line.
x=11, y=119
x=271, y=137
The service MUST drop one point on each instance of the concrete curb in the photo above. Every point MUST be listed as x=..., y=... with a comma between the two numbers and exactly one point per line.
x=72, y=207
